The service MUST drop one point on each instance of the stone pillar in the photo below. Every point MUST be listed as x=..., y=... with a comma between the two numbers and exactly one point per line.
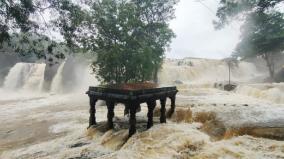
x=92, y=119
x=132, y=119
x=173, y=106
x=126, y=109
x=110, y=113
x=163, y=110
x=151, y=107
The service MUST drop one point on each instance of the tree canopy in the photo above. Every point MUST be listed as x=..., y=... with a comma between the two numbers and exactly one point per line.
x=262, y=33
x=230, y=10
x=130, y=38
x=25, y=30
x=31, y=46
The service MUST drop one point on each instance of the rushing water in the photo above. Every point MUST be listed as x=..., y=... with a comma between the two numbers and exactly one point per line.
x=206, y=70
x=26, y=76
x=57, y=85
x=30, y=77
x=208, y=123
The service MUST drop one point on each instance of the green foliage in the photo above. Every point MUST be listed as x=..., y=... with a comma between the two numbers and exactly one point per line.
x=229, y=10
x=34, y=46
x=131, y=38
x=18, y=23
x=262, y=33
x=73, y=22
x=15, y=14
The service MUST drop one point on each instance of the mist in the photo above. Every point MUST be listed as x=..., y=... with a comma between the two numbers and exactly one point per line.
x=195, y=33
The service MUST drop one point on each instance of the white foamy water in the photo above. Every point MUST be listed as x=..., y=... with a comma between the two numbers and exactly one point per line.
x=205, y=70
x=53, y=125
x=271, y=92
x=85, y=78
x=56, y=84
x=29, y=76
x=68, y=114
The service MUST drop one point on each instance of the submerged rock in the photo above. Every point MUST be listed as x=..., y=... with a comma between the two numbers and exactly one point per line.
x=178, y=82
x=229, y=87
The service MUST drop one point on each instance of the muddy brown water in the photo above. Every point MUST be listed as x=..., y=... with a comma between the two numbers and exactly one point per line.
x=24, y=131
x=20, y=133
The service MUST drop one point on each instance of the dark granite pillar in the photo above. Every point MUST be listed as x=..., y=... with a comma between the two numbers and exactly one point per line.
x=173, y=106
x=151, y=107
x=110, y=113
x=126, y=109
x=163, y=110
x=132, y=119
x=92, y=119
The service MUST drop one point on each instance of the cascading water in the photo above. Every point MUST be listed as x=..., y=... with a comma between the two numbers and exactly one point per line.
x=56, y=85
x=189, y=71
x=272, y=92
x=80, y=78
x=192, y=70
x=28, y=76
x=47, y=123
x=85, y=78
x=36, y=79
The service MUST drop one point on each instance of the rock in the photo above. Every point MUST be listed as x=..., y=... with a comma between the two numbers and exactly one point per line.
x=49, y=73
x=7, y=61
x=229, y=87
x=178, y=82
x=80, y=144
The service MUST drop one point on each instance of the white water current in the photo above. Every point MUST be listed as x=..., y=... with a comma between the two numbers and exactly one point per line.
x=209, y=123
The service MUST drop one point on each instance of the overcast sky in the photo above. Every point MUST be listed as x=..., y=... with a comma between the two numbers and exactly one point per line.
x=196, y=36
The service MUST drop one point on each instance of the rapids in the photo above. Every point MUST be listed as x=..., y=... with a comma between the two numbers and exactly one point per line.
x=208, y=123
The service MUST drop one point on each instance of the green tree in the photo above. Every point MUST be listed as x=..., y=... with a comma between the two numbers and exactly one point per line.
x=15, y=15
x=19, y=22
x=130, y=38
x=262, y=33
x=30, y=46
x=263, y=36
x=230, y=10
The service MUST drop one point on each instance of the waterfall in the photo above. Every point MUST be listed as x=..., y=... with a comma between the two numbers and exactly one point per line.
x=86, y=78
x=74, y=75
x=56, y=84
x=192, y=70
x=28, y=76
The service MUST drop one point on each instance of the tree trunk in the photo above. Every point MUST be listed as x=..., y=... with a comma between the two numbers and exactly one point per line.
x=270, y=64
